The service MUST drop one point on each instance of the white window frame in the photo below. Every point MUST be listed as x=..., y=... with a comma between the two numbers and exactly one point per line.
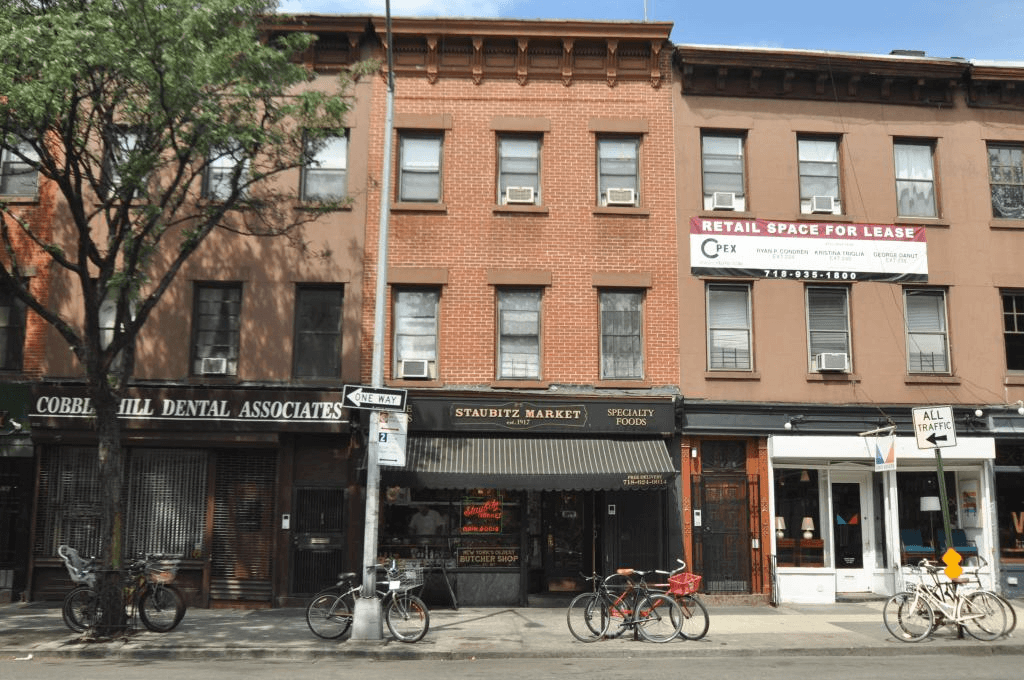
x=519, y=333
x=325, y=172
x=915, y=178
x=1006, y=180
x=622, y=337
x=927, y=327
x=723, y=167
x=420, y=156
x=415, y=316
x=618, y=165
x=222, y=339
x=519, y=164
x=828, y=321
x=221, y=165
x=122, y=143
x=14, y=170
x=729, y=328
x=819, y=169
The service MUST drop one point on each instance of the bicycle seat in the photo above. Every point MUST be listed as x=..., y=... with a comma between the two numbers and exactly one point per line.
x=346, y=576
x=625, y=571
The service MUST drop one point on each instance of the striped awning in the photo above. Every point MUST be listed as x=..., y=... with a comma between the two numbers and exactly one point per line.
x=541, y=464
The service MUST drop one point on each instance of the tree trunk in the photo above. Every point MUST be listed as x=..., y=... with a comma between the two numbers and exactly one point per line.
x=113, y=619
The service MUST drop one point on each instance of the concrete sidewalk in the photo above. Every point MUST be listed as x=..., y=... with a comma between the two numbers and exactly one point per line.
x=497, y=632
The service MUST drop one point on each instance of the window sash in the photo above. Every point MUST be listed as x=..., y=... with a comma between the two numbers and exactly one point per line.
x=617, y=164
x=219, y=171
x=621, y=335
x=324, y=175
x=915, y=180
x=722, y=164
x=17, y=177
x=828, y=320
x=420, y=169
x=927, y=340
x=416, y=324
x=1006, y=177
x=217, y=323
x=317, y=353
x=518, y=164
x=519, y=334
x=12, y=331
x=1013, y=330
x=729, y=331
x=819, y=168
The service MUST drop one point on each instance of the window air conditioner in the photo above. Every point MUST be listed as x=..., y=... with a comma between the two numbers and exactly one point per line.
x=213, y=366
x=519, y=195
x=414, y=368
x=620, y=196
x=823, y=204
x=832, y=361
x=723, y=200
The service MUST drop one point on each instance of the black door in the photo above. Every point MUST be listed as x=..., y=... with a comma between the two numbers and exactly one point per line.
x=318, y=533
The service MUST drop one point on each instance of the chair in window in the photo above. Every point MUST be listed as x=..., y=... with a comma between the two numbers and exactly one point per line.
x=913, y=548
x=960, y=543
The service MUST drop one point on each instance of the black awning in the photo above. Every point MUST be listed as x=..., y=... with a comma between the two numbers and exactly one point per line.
x=539, y=464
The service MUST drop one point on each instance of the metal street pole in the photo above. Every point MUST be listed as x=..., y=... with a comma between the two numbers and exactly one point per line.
x=945, y=500
x=367, y=623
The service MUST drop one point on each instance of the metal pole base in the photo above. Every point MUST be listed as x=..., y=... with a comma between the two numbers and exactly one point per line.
x=367, y=622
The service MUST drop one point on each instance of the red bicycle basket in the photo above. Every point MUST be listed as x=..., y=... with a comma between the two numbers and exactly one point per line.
x=683, y=584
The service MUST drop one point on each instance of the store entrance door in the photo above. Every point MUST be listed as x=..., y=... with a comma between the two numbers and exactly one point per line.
x=318, y=539
x=852, y=534
x=569, y=542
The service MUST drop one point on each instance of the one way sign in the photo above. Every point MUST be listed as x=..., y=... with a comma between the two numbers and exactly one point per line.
x=934, y=427
x=374, y=398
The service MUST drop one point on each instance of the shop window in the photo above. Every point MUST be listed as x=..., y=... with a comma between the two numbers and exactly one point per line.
x=415, y=320
x=317, y=353
x=729, y=331
x=797, y=522
x=216, y=328
x=927, y=331
x=920, y=504
x=915, y=179
x=819, y=175
x=1010, y=503
x=622, y=356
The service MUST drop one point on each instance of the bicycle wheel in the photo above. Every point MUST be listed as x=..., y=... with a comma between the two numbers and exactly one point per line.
x=80, y=609
x=161, y=608
x=658, y=617
x=983, y=615
x=408, y=617
x=908, y=618
x=695, y=617
x=586, y=617
x=329, y=614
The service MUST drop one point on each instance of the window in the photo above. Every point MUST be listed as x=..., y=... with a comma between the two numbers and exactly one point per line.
x=819, y=175
x=1006, y=174
x=729, y=347
x=324, y=174
x=618, y=171
x=415, y=320
x=1013, y=329
x=915, y=179
x=622, y=356
x=317, y=353
x=798, y=505
x=722, y=172
x=419, y=168
x=222, y=166
x=108, y=323
x=17, y=177
x=518, y=169
x=927, y=340
x=121, y=143
x=215, y=326
x=519, y=334
x=828, y=322
x=12, y=330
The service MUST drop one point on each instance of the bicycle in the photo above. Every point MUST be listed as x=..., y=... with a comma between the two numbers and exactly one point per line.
x=682, y=586
x=624, y=599
x=912, y=616
x=329, y=614
x=146, y=590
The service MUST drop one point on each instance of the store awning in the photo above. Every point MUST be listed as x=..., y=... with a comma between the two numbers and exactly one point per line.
x=540, y=464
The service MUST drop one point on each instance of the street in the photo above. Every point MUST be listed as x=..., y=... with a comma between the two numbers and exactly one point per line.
x=697, y=668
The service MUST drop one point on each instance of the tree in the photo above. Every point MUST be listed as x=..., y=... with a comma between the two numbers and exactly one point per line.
x=157, y=122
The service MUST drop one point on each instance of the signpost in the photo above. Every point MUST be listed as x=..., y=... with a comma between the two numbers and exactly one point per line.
x=934, y=428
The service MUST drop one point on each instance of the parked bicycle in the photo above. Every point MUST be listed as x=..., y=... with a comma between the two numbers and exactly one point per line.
x=623, y=601
x=682, y=586
x=913, y=615
x=329, y=614
x=147, y=591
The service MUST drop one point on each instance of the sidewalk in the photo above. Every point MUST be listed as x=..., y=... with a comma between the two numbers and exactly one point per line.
x=839, y=629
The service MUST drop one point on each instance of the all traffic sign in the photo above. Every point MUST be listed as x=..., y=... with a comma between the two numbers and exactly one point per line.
x=373, y=398
x=934, y=427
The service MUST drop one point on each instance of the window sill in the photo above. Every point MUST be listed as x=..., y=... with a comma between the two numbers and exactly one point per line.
x=521, y=209
x=523, y=384
x=1000, y=223
x=404, y=382
x=1015, y=380
x=732, y=375
x=738, y=214
x=623, y=384
x=823, y=217
x=213, y=379
x=922, y=221
x=15, y=199
x=845, y=378
x=403, y=206
x=622, y=212
x=931, y=380
x=311, y=206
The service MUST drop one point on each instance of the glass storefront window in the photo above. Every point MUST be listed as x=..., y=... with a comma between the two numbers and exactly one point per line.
x=1010, y=516
x=797, y=520
x=920, y=506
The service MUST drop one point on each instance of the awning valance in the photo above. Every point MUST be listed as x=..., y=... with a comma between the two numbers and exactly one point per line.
x=523, y=463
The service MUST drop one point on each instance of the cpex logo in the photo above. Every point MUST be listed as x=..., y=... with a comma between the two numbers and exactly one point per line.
x=711, y=248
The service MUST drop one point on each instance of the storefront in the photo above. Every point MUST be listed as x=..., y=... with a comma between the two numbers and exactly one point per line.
x=503, y=498
x=249, y=488
x=17, y=469
x=849, y=510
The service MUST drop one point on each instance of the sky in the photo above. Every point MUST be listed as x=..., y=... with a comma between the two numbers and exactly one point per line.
x=983, y=30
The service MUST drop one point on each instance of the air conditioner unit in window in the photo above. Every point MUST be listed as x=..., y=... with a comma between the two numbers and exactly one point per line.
x=723, y=200
x=832, y=361
x=414, y=368
x=519, y=195
x=620, y=196
x=823, y=204
x=213, y=366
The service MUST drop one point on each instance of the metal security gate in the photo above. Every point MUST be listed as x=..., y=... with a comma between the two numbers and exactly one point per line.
x=722, y=542
x=318, y=531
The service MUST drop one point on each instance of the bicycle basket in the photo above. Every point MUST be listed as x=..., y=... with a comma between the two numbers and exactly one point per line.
x=410, y=577
x=161, y=571
x=683, y=584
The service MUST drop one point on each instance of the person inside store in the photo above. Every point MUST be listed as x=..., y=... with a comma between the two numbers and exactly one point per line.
x=426, y=522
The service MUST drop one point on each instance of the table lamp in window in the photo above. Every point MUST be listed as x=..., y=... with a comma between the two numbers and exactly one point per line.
x=807, y=525
x=780, y=526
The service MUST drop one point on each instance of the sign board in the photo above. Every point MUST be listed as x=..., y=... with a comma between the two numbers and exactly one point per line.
x=374, y=398
x=389, y=429
x=934, y=427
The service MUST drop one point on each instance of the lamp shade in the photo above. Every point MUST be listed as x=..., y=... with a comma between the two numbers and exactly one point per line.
x=780, y=523
x=807, y=524
x=930, y=504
